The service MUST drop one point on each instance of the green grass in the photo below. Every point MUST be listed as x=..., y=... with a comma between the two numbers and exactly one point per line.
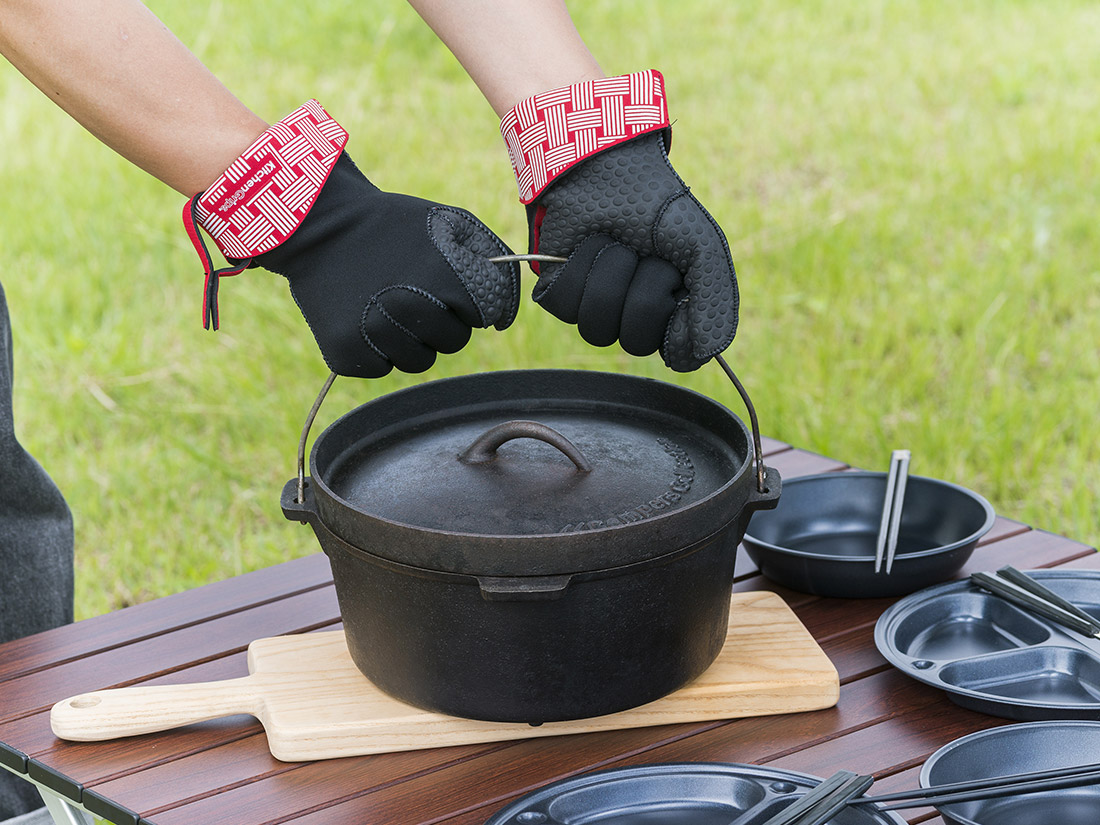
x=909, y=188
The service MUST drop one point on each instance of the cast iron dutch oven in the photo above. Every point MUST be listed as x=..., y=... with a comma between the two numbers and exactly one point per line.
x=532, y=546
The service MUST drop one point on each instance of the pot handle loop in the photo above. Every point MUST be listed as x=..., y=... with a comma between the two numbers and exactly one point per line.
x=757, y=446
x=485, y=445
x=305, y=435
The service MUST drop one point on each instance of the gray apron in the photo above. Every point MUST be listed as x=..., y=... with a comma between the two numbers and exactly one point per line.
x=36, y=551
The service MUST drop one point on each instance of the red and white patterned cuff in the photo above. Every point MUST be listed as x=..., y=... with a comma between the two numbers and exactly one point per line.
x=265, y=195
x=552, y=131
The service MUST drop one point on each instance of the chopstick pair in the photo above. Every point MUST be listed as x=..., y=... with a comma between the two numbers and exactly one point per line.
x=1023, y=590
x=823, y=802
x=887, y=544
x=992, y=787
x=845, y=788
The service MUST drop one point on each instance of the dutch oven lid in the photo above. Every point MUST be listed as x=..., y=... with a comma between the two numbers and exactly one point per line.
x=531, y=453
x=533, y=472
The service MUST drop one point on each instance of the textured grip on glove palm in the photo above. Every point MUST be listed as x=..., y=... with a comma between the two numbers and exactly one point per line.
x=647, y=265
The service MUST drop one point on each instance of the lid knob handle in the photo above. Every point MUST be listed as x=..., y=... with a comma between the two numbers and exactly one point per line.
x=485, y=445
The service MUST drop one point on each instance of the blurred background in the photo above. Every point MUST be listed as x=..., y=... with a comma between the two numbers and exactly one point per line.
x=909, y=189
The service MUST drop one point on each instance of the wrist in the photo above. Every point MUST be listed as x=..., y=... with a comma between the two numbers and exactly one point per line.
x=220, y=148
x=505, y=92
x=550, y=132
x=262, y=198
x=265, y=194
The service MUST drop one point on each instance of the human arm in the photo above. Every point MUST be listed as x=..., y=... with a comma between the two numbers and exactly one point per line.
x=647, y=265
x=511, y=49
x=119, y=72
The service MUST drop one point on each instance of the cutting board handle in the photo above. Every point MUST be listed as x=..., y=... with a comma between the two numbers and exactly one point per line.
x=107, y=714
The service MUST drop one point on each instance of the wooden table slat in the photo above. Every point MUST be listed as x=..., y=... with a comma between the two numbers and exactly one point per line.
x=1087, y=562
x=771, y=446
x=903, y=780
x=151, y=619
x=1003, y=528
x=793, y=463
x=1029, y=550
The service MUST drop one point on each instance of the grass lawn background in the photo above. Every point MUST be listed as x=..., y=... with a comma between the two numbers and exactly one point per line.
x=910, y=191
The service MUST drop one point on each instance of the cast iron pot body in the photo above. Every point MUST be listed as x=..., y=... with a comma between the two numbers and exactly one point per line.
x=511, y=582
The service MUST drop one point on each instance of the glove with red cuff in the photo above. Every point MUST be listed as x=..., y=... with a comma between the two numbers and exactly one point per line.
x=383, y=280
x=647, y=264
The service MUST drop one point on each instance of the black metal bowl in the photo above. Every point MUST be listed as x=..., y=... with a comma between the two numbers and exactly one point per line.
x=1013, y=749
x=821, y=537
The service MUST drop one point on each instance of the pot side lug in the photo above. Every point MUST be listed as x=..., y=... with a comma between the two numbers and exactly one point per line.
x=769, y=499
x=304, y=511
x=522, y=588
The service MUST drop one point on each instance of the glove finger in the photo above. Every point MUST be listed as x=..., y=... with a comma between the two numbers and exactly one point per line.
x=341, y=344
x=689, y=237
x=605, y=291
x=394, y=322
x=426, y=319
x=560, y=288
x=445, y=332
x=649, y=305
x=677, y=350
x=356, y=362
x=486, y=294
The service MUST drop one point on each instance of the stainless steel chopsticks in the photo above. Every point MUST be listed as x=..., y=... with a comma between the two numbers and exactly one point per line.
x=992, y=787
x=546, y=259
x=887, y=544
x=1025, y=591
x=1031, y=584
x=845, y=788
x=823, y=802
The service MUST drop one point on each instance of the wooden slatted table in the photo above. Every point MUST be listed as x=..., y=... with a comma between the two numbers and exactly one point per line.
x=884, y=723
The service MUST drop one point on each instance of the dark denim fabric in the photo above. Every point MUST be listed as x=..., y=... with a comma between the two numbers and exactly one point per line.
x=36, y=551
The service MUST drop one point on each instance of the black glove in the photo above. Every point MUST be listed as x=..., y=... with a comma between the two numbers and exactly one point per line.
x=648, y=266
x=387, y=280
x=384, y=280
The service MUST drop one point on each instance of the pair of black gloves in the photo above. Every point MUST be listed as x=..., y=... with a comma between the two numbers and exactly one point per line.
x=388, y=281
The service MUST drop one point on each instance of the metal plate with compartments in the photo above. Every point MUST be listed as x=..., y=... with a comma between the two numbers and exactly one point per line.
x=685, y=793
x=994, y=657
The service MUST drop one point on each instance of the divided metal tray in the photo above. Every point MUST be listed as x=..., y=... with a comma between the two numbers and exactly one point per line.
x=996, y=658
x=695, y=793
x=1012, y=749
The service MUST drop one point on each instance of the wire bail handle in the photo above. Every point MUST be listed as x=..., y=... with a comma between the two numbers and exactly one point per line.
x=758, y=452
x=757, y=445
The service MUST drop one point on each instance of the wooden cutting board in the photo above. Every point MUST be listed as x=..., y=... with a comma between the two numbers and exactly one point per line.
x=315, y=704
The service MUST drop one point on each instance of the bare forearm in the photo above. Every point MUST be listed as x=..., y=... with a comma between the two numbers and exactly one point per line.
x=115, y=68
x=511, y=48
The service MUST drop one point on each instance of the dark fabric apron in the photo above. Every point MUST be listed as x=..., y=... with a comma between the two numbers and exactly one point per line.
x=36, y=551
